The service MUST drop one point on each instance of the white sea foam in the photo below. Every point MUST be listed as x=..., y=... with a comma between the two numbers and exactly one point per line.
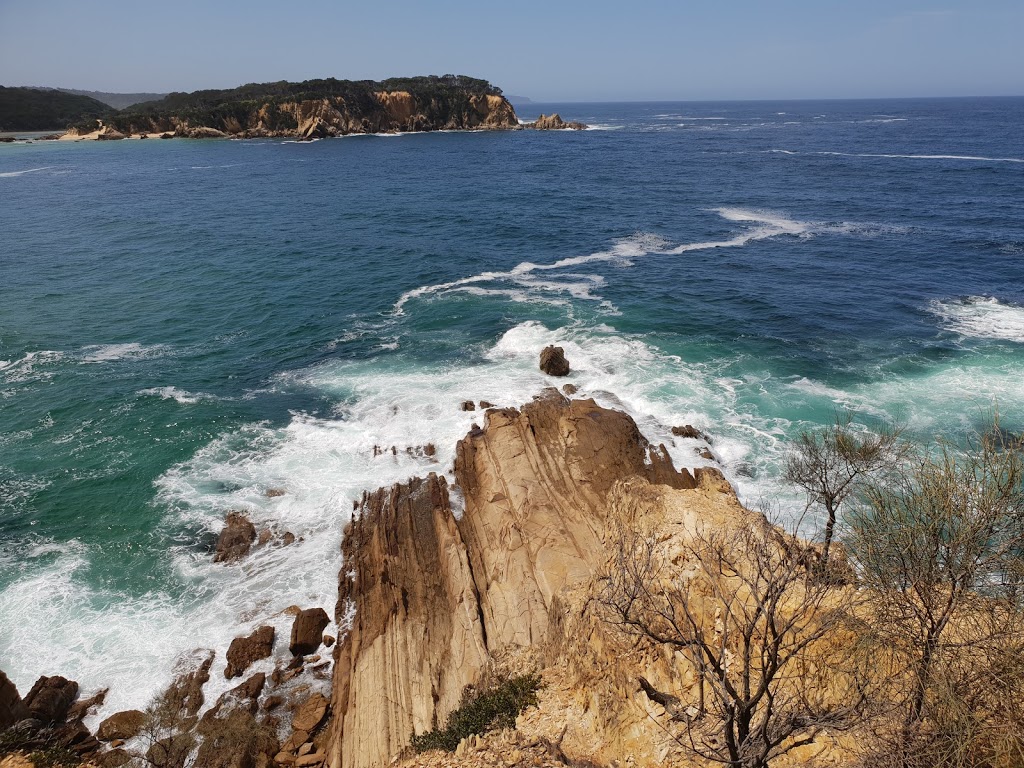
x=966, y=158
x=323, y=464
x=12, y=174
x=108, y=353
x=33, y=366
x=623, y=252
x=178, y=395
x=981, y=317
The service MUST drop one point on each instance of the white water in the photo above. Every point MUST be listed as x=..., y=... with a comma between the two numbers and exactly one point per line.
x=982, y=317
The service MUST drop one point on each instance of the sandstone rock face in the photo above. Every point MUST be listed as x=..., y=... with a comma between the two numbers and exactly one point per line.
x=235, y=539
x=12, y=709
x=307, y=631
x=386, y=112
x=243, y=651
x=431, y=598
x=121, y=725
x=416, y=638
x=535, y=483
x=553, y=362
x=51, y=698
x=554, y=122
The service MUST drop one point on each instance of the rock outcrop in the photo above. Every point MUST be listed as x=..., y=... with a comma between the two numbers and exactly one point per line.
x=51, y=698
x=12, y=709
x=235, y=538
x=122, y=725
x=554, y=122
x=243, y=651
x=307, y=631
x=553, y=362
x=319, y=110
x=433, y=601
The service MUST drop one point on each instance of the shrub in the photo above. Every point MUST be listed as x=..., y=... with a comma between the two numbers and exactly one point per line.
x=492, y=708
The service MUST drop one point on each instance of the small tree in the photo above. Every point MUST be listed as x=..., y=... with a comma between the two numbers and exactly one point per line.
x=830, y=463
x=754, y=623
x=939, y=549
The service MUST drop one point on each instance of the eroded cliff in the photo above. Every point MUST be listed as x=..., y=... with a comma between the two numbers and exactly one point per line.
x=434, y=601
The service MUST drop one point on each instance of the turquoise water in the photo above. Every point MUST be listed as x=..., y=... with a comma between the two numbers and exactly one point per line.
x=185, y=325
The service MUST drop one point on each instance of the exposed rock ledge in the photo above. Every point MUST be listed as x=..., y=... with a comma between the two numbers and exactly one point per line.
x=434, y=600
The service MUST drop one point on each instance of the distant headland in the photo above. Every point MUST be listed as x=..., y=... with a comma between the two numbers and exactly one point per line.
x=308, y=110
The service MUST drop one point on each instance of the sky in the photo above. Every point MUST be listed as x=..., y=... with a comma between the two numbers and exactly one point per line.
x=547, y=50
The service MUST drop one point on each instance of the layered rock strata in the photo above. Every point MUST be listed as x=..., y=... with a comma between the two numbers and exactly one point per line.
x=433, y=601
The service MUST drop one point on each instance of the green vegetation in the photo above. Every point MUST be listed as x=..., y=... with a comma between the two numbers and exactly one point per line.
x=441, y=96
x=32, y=109
x=491, y=708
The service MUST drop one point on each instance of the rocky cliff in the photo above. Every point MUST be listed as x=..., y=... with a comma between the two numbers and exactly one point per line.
x=435, y=600
x=316, y=109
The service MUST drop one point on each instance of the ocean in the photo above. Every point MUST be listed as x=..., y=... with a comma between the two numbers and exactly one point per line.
x=186, y=325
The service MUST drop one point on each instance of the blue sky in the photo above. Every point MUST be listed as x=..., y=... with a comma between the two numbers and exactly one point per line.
x=558, y=50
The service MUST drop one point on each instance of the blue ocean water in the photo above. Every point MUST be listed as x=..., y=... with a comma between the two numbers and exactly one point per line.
x=185, y=325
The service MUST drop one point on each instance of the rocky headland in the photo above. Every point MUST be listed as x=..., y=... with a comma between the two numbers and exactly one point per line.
x=318, y=109
x=444, y=586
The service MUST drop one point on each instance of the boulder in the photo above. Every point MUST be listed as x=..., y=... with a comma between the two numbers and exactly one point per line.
x=12, y=709
x=83, y=707
x=310, y=713
x=307, y=631
x=51, y=698
x=243, y=651
x=553, y=362
x=122, y=725
x=688, y=430
x=235, y=539
x=468, y=405
x=554, y=122
x=115, y=758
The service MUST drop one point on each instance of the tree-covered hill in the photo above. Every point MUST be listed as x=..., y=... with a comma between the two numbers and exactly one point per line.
x=34, y=109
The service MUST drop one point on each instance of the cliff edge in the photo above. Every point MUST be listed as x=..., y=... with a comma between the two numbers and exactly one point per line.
x=435, y=600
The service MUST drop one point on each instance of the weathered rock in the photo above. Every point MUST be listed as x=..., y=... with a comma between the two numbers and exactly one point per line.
x=288, y=538
x=113, y=758
x=570, y=389
x=329, y=640
x=310, y=713
x=12, y=709
x=553, y=362
x=243, y=651
x=51, y=698
x=122, y=725
x=314, y=759
x=273, y=493
x=406, y=575
x=687, y=430
x=83, y=707
x=191, y=671
x=204, y=132
x=468, y=405
x=307, y=631
x=433, y=597
x=235, y=539
x=484, y=405
x=554, y=122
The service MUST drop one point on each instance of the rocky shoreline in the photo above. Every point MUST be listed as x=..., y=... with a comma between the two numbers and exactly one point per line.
x=431, y=604
x=392, y=112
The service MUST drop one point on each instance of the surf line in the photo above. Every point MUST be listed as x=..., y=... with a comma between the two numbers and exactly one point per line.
x=767, y=226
